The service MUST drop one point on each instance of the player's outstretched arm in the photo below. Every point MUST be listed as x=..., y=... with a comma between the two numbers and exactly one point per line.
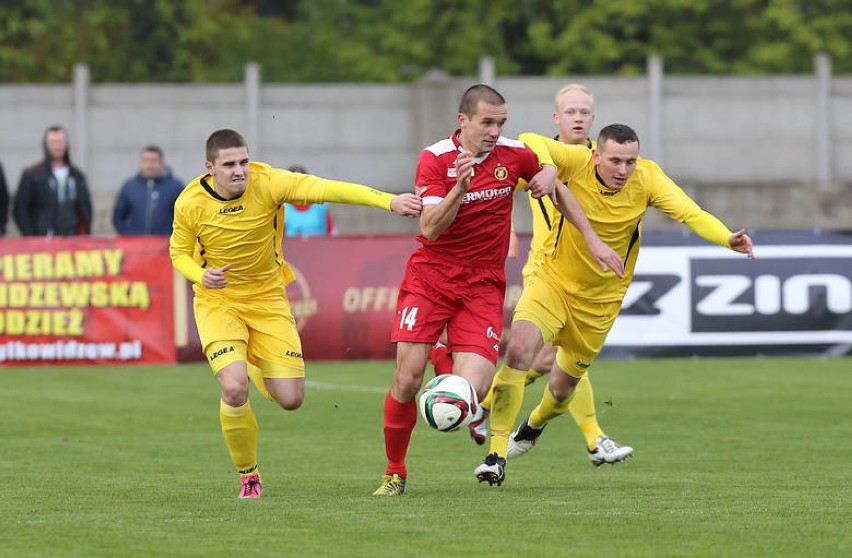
x=606, y=257
x=741, y=242
x=407, y=205
x=542, y=183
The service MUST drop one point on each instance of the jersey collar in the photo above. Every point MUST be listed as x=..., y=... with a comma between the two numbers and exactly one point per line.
x=212, y=192
x=460, y=149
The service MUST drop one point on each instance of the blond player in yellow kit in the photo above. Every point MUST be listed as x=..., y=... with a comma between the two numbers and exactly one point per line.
x=227, y=241
x=569, y=298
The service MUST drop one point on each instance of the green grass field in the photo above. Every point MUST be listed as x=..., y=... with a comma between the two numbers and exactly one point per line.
x=734, y=457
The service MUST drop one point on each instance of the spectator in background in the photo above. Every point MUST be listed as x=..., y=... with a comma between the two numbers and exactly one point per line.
x=53, y=197
x=145, y=205
x=307, y=220
x=4, y=202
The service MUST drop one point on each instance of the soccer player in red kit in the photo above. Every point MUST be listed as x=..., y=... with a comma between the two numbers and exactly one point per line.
x=457, y=278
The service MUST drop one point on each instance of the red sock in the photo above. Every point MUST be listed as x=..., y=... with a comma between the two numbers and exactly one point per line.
x=441, y=359
x=400, y=419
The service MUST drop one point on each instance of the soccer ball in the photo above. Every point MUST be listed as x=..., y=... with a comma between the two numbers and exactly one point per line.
x=448, y=402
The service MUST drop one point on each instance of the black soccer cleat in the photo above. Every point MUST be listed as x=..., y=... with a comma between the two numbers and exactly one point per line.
x=492, y=470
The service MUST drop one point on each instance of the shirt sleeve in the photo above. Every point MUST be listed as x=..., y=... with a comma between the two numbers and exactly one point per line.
x=182, y=245
x=307, y=189
x=542, y=147
x=669, y=198
x=430, y=175
x=568, y=159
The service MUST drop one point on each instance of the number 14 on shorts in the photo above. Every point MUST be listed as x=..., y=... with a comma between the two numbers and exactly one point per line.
x=408, y=318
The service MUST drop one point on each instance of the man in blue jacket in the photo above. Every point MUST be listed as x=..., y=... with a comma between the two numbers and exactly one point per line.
x=146, y=202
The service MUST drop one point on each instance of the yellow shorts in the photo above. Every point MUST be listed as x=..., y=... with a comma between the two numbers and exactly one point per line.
x=577, y=327
x=260, y=331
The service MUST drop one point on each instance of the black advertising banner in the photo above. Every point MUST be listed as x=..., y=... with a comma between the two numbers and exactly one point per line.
x=691, y=298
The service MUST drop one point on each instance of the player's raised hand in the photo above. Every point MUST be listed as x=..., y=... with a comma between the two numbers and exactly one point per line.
x=606, y=257
x=407, y=205
x=543, y=182
x=214, y=277
x=464, y=170
x=741, y=242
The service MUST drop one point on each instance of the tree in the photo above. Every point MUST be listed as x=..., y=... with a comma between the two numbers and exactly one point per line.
x=391, y=41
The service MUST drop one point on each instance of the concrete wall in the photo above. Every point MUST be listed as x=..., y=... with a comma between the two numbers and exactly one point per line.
x=760, y=152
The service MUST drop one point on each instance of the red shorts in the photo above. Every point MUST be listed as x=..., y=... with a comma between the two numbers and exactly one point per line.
x=469, y=300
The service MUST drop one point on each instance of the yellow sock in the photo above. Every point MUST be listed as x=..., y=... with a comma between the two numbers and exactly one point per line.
x=507, y=397
x=582, y=408
x=256, y=376
x=532, y=375
x=548, y=409
x=239, y=427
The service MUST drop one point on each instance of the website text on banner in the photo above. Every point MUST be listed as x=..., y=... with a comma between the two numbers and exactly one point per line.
x=686, y=298
x=86, y=300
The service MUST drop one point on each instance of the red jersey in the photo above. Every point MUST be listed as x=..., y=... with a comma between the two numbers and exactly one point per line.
x=480, y=231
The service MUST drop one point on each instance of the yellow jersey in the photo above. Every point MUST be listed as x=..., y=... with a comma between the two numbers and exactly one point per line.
x=545, y=217
x=615, y=216
x=246, y=231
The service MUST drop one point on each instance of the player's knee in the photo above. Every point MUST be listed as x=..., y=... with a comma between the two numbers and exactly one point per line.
x=234, y=392
x=562, y=385
x=519, y=355
x=288, y=393
x=290, y=402
x=405, y=385
x=543, y=361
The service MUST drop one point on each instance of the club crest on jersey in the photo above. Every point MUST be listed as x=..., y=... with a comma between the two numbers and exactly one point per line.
x=501, y=173
x=232, y=209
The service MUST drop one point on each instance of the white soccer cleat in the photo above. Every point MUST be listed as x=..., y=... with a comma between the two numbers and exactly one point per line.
x=523, y=439
x=607, y=452
x=492, y=470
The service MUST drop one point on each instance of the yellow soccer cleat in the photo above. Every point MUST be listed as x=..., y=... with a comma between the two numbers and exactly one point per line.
x=392, y=485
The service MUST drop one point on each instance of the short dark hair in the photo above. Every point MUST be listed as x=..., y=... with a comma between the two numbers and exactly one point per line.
x=223, y=139
x=477, y=93
x=298, y=168
x=61, y=129
x=153, y=149
x=619, y=133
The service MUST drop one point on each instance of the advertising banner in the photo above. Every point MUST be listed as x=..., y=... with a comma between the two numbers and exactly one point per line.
x=691, y=298
x=86, y=300
x=687, y=298
x=344, y=295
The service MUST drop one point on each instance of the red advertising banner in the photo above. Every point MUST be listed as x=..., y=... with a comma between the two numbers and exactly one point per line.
x=344, y=295
x=86, y=300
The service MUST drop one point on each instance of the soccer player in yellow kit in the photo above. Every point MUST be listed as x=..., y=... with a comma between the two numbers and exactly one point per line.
x=574, y=115
x=569, y=298
x=227, y=241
